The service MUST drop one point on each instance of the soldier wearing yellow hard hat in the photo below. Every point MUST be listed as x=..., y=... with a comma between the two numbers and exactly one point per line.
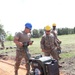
x=48, y=43
x=54, y=31
x=54, y=24
x=47, y=28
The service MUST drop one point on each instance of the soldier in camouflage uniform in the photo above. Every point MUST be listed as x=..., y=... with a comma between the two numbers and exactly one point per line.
x=54, y=31
x=19, y=38
x=48, y=43
x=2, y=39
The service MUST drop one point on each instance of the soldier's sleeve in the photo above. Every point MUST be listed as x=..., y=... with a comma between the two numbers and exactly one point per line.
x=42, y=43
x=17, y=36
x=52, y=41
x=55, y=42
x=54, y=33
x=29, y=35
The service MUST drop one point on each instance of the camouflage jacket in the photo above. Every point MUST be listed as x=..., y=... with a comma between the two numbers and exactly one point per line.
x=54, y=33
x=23, y=37
x=48, y=42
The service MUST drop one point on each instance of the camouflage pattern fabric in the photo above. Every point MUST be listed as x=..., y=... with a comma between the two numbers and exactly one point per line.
x=20, y=53
x=55, y=34
x=48, y=43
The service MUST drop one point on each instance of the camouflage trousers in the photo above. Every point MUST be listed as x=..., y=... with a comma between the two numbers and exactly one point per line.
x=59, y=49
x=53, y=53
x=19, y=55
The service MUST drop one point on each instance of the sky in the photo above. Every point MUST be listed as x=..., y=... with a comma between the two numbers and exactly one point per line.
x=15, y=13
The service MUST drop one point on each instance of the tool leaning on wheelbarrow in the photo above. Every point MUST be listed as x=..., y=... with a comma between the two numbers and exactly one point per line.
x=42, y=65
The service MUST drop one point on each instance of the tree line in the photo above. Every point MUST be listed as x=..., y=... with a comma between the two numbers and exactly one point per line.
x=36, y=33
x=61, y=31
x=66, y=31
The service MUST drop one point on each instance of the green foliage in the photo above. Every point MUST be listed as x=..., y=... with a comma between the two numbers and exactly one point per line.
x=67, y=39
x=9, y=38
x=68, y=54
x=61, y=31
x=2, y=30
x=41, y=32
x=65, y=31
x=35, y=33
x=67, y=45
x=74, y=30
x=7, y=43
x=35, y=47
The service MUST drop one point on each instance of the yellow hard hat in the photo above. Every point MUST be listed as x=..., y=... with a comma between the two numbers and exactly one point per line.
x=53, y=24
x=47, y=27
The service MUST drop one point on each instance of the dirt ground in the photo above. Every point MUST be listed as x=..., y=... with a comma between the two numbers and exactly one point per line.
x=3, y=72
x=68, y=64
x=7, y=68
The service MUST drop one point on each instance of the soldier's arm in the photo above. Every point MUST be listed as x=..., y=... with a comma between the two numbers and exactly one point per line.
x=57, y=39
x=16, y=40
x=56, y=43
x=42, y=43
x=53, y=42
x=30, y=42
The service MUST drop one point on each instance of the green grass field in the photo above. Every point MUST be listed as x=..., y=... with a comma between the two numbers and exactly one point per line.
x=68, y=46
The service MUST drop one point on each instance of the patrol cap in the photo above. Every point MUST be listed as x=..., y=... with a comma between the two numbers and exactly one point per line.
x=28, y=25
